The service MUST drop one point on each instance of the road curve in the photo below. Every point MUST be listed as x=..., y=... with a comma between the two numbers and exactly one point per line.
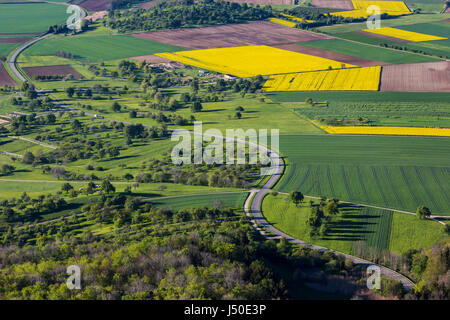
x=252, y=208
x=252, y=205
x=13, y=58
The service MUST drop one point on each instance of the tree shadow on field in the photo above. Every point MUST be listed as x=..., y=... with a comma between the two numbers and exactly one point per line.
x=213, y=110
x=350, y=225
x=146, y=195
x=118, y=158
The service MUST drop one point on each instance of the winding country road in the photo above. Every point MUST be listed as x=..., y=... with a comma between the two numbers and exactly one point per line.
x=252, y=205
x=13, y=58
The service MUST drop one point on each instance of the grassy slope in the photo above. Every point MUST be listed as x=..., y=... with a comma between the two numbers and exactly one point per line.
x=380, y=229
x=361, y=96
x=393, y=172
x=233, y=200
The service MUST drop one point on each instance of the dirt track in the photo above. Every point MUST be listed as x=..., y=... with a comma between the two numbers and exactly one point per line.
x=254, y=33
x=331, y=55
x=416, y=77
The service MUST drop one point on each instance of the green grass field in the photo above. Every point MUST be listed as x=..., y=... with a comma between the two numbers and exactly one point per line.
x=6, y=48
x=99, y=47
x=232, y=200
x=378, y=230
x=368, y=52
x=30, y=18
x=361, y=96
x=392, y=172
x=400, y=21
x=411, y=114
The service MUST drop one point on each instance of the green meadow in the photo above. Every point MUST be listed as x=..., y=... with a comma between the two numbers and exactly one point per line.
x=356, y=230
x=30, y=18
x=99, y=47
x=232, y=200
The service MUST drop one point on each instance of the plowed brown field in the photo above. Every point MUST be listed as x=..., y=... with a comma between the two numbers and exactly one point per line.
x=96, y=5
x=247, y=34
x=416, y=77
x=5, y=78
x=59, y=70
x=335, y=4
x=13, y=40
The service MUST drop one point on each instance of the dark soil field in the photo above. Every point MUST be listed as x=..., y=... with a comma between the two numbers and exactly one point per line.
x=264, y=2
x=96, y=5
x=59, y=70
x=331, y=55
x=334, y=4
x=254, y=33
x=149, y=4
x=5, y=78
x=417, y=77
x=13, y=40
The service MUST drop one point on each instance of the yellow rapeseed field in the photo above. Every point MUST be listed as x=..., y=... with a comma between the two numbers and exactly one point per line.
x=402, y=131
x=355, y=79
x=283, y=22
x=296, y=18
x=249, y=61
x=393, y=8
x=405, y=35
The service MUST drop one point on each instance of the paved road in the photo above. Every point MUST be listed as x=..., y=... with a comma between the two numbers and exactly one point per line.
x=13, y=58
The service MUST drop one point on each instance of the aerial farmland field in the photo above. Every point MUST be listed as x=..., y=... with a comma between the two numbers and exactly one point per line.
x=390, y=172
x=135, y=145
x=30, y=17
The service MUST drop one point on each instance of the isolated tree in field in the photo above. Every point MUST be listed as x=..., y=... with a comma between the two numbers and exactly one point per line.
x=116, y=107
x=91, y=187
x=76, y=125
x=7, y=169
x=331, y=208
x=88, y=93
x=423, y=212
x=66, y=187
x=133, y=114
x=28, y=158
x=58, y=172
x=296, y=197
x=197, y=106
x=108, y=187
x=128, y=176
x=51, y=118
x=238, y=115
x=70, y=92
